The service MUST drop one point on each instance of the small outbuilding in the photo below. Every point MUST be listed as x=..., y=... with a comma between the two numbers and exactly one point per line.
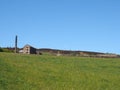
x=27, y=49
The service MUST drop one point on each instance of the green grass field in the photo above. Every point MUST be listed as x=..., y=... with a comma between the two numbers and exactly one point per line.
x=32, y=72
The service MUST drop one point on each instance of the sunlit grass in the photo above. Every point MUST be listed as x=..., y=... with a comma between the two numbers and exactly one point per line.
x=32, y=72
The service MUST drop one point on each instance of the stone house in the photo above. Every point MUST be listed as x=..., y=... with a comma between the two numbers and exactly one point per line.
x=27, y=49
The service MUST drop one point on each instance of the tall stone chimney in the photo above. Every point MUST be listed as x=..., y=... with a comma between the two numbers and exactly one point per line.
x=16, y=44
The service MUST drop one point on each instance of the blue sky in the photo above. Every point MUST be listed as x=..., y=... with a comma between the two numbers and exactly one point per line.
x=88, y=25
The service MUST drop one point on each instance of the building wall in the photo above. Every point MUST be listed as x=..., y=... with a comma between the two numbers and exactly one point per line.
x=32, y=50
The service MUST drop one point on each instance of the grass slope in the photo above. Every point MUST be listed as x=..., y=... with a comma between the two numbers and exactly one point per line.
x=32, y=72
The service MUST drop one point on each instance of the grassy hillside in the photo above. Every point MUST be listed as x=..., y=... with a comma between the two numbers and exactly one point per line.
x=32, y=72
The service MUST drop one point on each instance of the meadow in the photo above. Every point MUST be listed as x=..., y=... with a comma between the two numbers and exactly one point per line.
x=47, y=72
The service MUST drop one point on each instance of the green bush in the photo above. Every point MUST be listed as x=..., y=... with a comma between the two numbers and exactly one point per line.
x=1, y=50
x=6, y=50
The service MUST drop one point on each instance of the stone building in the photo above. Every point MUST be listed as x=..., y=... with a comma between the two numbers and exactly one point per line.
x=27, y=49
